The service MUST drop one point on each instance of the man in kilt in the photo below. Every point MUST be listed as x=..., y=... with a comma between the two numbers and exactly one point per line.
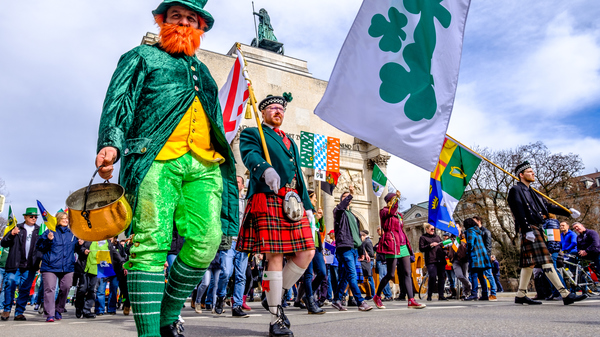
x=529, y=210
x=266, y=228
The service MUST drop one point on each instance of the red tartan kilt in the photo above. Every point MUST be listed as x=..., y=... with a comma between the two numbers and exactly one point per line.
x=273, y=232
x=534, y=253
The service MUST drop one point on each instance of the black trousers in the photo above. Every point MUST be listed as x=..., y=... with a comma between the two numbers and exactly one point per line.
x=123, y=287
x=86, y=293
x=437, y=278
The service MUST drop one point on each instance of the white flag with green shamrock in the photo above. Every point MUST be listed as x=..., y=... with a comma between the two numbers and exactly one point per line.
x=394, y=82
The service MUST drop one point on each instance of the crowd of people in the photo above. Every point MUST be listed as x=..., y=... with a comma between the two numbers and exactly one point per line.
x=62, y=261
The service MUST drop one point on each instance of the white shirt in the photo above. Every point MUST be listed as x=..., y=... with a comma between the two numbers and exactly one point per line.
x=29, y=230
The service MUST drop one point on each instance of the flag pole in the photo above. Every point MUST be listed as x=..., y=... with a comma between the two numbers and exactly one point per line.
x=510, y=174
x=253, y=102
x=319, y=194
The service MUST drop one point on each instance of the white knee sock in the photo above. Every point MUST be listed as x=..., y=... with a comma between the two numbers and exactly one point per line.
x=524, y=281
x=272, y=281
x=291, y=274
x=551, y=274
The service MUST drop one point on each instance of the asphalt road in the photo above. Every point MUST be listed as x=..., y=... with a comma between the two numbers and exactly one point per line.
x=452, y=318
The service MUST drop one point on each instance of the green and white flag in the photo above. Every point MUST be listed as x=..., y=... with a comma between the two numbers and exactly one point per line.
x=395, y=78
x=379, y=181
x=307, y=149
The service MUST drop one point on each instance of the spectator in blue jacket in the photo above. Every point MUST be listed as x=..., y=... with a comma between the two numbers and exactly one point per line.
x=568, y=239
x=58, y=263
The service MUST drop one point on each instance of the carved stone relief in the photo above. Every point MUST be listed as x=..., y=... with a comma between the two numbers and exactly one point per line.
x=350, y=177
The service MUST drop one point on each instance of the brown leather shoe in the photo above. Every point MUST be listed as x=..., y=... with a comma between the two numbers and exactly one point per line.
x=20, y=318
x=126, y=310
x=5, y=315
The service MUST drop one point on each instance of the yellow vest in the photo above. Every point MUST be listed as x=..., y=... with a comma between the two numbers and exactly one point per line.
x=192, y=133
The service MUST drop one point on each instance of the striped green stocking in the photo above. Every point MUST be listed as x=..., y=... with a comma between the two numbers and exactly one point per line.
x=145, y=293
x=182, y=280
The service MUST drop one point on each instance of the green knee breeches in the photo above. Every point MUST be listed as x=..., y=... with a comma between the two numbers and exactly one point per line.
x=186, y=192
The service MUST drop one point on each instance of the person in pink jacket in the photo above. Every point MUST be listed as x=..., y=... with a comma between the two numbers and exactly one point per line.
x=395, y=247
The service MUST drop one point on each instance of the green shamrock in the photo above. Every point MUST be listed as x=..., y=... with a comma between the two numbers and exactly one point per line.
x=391, y=31
x=397, y=84
x=414, y=83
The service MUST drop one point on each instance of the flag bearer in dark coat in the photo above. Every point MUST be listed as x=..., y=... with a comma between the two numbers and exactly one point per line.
x=530, y=210
x=267, y=227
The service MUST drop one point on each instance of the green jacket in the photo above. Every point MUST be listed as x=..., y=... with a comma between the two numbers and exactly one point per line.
x=91, y=265
x=148, y=95
x=285, y=162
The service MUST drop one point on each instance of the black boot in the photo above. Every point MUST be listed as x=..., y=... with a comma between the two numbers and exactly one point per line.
x=526, y=300
x=238, y=312
x=284, y=318
x=219, y=305
x=298, y=304
x=312, y=306
x=572, y=298
x=280, y=328
x=172, y=330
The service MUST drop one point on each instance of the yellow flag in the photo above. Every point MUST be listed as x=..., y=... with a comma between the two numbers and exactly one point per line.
x=12, y=222
x=49, y=219
x=103, y=256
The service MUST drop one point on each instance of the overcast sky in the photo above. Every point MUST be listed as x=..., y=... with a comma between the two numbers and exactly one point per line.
x=529, y=72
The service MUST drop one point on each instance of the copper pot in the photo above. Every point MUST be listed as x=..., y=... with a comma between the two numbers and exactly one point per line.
x=98, y=212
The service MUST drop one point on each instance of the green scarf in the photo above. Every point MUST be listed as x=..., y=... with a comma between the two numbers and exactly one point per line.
x=353, y=228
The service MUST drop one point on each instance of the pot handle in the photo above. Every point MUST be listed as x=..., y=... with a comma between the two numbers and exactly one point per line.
x=85, y=214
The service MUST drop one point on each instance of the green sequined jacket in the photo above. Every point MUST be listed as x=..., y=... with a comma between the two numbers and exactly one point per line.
x=148, y=95
x=286, y=162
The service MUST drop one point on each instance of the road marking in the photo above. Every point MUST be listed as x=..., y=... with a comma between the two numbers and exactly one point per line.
x=449, y=307
x=392, y=309
x=78, y=323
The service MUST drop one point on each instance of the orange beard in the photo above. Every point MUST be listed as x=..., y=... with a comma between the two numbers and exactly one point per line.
x=175, y=39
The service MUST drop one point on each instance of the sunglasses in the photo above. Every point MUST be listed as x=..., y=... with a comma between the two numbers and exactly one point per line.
x=33, y=216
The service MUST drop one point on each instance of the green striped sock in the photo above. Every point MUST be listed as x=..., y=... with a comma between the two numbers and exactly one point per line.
x=182, y=280
x=145, y=293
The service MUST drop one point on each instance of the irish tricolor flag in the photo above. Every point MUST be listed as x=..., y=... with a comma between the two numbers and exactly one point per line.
x=379, y=181
x=451, y=176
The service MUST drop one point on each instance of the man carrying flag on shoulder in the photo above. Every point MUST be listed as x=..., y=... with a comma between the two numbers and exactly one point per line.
x=529, y=211
x=21, y=264
x=275, y=222
x=162, y=118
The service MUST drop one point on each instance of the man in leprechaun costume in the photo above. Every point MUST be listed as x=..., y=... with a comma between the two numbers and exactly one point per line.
x=275, y=221
x=162, y=118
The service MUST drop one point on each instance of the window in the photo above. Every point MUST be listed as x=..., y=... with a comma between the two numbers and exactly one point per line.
x=418, y=215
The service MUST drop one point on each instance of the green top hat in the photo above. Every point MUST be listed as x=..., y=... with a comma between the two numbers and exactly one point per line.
x=31, y=211
x=195, y=5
